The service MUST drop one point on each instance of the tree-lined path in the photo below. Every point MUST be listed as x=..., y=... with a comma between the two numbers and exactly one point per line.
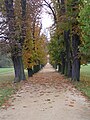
x=47, y=96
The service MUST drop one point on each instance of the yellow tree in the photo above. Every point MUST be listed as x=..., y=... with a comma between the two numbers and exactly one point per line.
x=33, y=41
x=34, y=54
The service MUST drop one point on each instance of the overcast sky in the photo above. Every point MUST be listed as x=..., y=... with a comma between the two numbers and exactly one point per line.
x=47, y=21
x=46, y=24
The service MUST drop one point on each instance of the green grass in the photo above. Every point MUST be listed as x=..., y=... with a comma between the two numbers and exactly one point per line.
x=6, y=84
x=5, y=93
x=85, y=71
x=6, y=70
x=84, y=84
x=6, y=75
x=7, y=87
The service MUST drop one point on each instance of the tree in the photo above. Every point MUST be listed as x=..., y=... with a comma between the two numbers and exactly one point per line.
x=32, y=46
x=67, y=29
x=14, y=42
x=84, y=24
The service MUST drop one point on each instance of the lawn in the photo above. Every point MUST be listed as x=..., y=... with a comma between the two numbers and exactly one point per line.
x=6, y=70
x=84, y=84
x=7, y=87
x=85, y=71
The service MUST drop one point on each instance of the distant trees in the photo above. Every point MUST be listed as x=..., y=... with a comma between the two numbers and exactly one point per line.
x=5, y=60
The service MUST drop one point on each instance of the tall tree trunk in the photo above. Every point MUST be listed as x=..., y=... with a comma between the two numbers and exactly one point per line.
x=76, y=59
x=19, y=69
x=63, y=63
x=68, y=53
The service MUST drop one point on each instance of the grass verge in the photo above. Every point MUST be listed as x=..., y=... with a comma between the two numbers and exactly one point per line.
x=7, y=88
x=6, y=70
x=84, y=84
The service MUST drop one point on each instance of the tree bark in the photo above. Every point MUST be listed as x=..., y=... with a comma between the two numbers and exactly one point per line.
x=63, y=63
x=18, y=68
x=68, y=66
x=76, y=59
x=30, y=72
x=36, y=68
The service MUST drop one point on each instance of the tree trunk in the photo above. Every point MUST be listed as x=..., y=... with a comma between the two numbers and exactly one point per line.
x=36, y=68
x=76, y=59
x=76, y=70
x=63, y=63
x=68, y=65
x=18, y=68
x=30, y=72
x=59, y=67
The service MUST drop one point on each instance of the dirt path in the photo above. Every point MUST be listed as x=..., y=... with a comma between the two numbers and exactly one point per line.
x=47, y=96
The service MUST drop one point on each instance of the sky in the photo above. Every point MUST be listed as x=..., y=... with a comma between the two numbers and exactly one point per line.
x=46, y=24
x=47, y=21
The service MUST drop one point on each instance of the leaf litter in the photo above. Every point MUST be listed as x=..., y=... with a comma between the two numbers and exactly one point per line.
x=49, y=90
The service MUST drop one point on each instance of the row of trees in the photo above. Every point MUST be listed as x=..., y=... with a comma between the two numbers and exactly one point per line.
x=20, y=35
x=70, y=45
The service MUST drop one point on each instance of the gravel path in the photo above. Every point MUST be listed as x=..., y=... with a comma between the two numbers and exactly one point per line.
x=47, y=96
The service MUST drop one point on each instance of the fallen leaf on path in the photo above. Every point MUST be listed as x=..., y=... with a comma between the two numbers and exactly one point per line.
x=72, y=102
x=35, y=101
x=71, y=105
x=18, y=96
x=56, y=95
x=41, y=94
x=24, y=106
x=48, y=100
x=51, y=106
